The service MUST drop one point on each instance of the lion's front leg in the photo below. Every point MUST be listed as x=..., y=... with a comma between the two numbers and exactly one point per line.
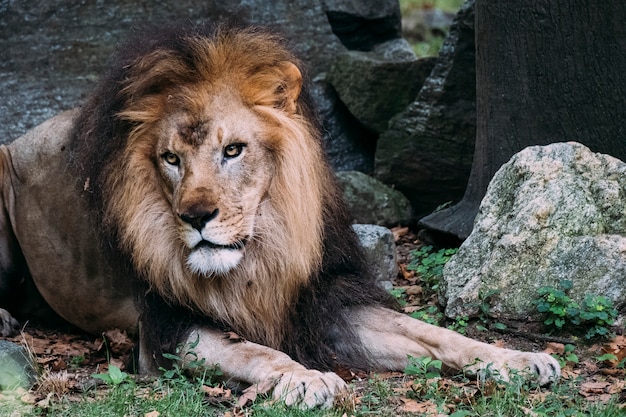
x=390, y=336
x=251, y=363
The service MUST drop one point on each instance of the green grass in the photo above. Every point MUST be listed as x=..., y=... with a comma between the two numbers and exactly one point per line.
x=454, y=396
x=128, y=399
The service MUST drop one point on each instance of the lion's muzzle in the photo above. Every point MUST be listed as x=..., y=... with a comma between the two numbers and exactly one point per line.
x=198, y=219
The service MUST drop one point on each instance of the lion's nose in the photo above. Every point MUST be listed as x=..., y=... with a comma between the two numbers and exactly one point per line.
x=198, y=220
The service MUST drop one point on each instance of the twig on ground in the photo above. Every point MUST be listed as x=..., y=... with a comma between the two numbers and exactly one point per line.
x=536, y=337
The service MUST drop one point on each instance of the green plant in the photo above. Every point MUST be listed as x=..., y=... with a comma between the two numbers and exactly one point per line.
x=431, y=315
x=424, y=367
x=180, y=367
x=568, y=355
x=606, y=357
x=460, y=324
x=556, y=304
x=428, y=264
x=598, y=313
x=77, y=361
x=594, y=316
x=399, y=294
x=115, y=376
x=375, y=397
x=484, y=310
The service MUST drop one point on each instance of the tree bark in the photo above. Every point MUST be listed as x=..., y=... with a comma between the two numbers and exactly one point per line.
x=546, y=71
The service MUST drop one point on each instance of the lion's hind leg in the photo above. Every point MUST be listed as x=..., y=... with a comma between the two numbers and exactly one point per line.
x=12, y=264
x=390, y=337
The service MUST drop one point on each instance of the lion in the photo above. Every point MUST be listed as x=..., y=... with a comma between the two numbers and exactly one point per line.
x=190, y=199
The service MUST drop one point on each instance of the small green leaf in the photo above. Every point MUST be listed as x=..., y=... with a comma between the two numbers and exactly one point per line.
x=172, y=357
x=104, y=377
x=606, y=357
x=499, y=326
x=462, y=413
x=115, y=376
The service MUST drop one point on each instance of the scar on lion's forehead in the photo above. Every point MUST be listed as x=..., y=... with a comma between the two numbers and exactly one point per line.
x=193, y=134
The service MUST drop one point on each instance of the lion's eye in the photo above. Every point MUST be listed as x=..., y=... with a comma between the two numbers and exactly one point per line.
x=171, y=158
x=233, y=151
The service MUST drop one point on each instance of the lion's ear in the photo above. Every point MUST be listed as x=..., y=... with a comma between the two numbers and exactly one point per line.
x=279, y=87
x=292, y=86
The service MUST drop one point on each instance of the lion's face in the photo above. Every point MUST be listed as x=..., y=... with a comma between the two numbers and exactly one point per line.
x=220, y=175
x=216, y=167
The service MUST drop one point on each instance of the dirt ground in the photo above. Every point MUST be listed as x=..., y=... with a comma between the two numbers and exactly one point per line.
x=69, y=357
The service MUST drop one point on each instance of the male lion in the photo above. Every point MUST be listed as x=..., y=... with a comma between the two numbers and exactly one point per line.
x=190, y=197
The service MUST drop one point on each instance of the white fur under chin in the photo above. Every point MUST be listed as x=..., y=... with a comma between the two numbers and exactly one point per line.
x=213, y=261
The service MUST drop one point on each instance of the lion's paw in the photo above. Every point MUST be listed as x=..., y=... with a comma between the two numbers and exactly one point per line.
x=8, y=325
x=309, y=388
x=542, y=368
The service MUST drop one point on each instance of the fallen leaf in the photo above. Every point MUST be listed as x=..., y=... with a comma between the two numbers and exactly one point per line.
x=345, y=373
x=28, y=398
x=59, y=365
x=45, y=403
x=117, y=341
x=399, y=232
x=219, y=392
x=616, y=347
x=617, y=387
x=498, y=343
x=415, y=290
x=592, y=388
x=387, y=375
x=249, y=395
x=554, y=348
x=406, y=274
x=427, y=408
x=152, y=414
x=529, y=412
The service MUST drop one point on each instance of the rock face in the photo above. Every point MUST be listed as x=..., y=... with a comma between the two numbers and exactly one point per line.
x=551, y=213
x=378, y=84
x=52, y=52
x=427, y=151
x=372, y=202
x=360, y=25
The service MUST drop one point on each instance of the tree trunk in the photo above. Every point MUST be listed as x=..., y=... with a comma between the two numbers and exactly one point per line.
x=546, y=71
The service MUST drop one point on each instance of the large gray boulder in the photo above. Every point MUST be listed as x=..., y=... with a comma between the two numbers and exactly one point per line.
x=551, y=213
x=427, y=151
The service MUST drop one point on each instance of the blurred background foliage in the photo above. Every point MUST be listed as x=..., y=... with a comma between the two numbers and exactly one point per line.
x=425, y=23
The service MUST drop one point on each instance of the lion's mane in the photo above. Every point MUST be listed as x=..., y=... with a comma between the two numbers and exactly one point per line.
x=301, y=270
